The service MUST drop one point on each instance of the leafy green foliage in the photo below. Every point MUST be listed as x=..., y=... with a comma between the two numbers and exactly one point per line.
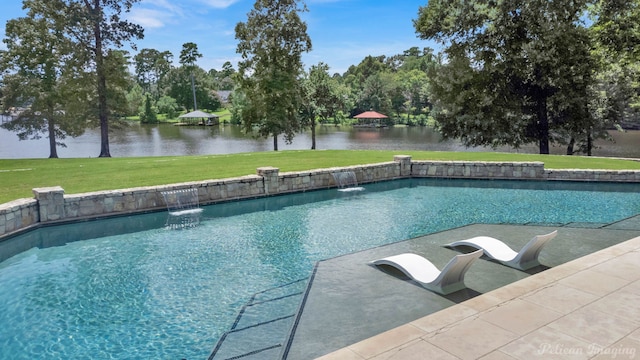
x=271, y=44
x=616, y=30
x=223, y=79
x=516, y=70
x=392, y=85
x=34, y=83
x=90, y=29
x=150, y=114
x=179, y=87
x=151, y=66
x=135, y=99
x=169, y=106
x=374, y=95
x=189, y=54
x=320, y=98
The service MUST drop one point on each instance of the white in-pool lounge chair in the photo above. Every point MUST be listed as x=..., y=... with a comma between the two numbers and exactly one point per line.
x=525, y=259
x=421, y=270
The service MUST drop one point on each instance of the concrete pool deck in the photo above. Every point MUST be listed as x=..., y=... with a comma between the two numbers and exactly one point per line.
x=586, y=305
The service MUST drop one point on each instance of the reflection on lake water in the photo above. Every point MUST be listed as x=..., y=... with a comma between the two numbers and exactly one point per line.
x=169, y=140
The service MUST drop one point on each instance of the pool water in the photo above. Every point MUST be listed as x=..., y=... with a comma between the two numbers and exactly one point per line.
x=129, y=288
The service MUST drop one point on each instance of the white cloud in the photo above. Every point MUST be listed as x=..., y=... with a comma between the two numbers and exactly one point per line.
x=219, y=4
x=165, y=5
x=147, y=18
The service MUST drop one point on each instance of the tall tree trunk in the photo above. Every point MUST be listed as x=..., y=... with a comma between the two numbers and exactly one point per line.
x=102, y=87
x=104, y=120
x=313, y=134
x=51, y=109
x=193, y=90
x=572, y=142
x=275, y=142
x=51, y=127
x=589, y=142
x=543, y=125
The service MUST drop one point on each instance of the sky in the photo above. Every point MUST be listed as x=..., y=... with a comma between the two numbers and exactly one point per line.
x=343, y=32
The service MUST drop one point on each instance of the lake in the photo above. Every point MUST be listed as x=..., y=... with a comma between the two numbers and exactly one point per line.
x=170, y=140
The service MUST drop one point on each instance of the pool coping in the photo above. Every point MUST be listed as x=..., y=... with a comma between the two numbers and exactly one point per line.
x=567, y=310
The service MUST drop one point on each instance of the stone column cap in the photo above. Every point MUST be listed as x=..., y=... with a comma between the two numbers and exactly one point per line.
x=48, y=189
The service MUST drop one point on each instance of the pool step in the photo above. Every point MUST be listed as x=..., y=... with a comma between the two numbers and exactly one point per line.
x=263, y=325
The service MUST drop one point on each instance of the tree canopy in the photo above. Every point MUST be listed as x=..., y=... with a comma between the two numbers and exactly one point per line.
x=151, y=66
x=271, y=44
x=513, y=67
x=34, y=81
x=96, y=26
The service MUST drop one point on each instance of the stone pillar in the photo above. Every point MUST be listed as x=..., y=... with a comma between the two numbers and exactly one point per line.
x=270, y=178
x=405, y=164
x=50, y=203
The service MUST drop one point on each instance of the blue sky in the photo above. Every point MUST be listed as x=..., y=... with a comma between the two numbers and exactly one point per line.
x=342, y=32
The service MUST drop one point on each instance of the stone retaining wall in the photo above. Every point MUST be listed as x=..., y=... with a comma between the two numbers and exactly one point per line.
x=17, y=215
x=478, y=170
x=51, y=205
x=594, y=175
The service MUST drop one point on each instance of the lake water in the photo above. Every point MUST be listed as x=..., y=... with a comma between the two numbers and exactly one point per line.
x=169, y=140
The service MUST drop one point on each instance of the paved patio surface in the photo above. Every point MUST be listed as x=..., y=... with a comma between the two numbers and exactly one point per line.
x=585, y=303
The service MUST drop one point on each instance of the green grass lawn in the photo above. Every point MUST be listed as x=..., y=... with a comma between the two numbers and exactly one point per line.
x=78, y=175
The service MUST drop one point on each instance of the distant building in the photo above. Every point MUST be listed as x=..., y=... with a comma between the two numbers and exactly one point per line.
x=224, y=95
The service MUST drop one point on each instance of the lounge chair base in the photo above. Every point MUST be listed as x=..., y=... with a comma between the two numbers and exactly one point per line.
x=525, y=259
x=422, y=271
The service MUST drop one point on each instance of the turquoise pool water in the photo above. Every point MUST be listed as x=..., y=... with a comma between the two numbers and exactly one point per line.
x=130, y=288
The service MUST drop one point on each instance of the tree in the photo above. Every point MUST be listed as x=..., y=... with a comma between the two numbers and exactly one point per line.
x=616, y=29
x=320, y=98
x=34, y=62
x=135, y=99
x=224, y=78
x=327, y=94
x=308, y=108
x=151, y=66
x=271, y=44
x=81, y=98
x=188, y=57
x=397, y=98
x=95, y=27
x=119, y=81
x=238, y=104
x=414, y=84
x=376, y=94
x=167, y=105
x=149, y=114
x=184, y=83
x=506, y=62
x=368, y=67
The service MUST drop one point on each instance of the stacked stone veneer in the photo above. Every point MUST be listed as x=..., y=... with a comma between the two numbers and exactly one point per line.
x=478, y=170
x=51, y=205
x=17, y=215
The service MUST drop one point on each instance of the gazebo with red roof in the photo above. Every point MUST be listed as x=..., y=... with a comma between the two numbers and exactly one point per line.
x=374, y=117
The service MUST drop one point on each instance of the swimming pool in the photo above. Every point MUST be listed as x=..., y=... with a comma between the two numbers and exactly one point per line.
x=133, y=289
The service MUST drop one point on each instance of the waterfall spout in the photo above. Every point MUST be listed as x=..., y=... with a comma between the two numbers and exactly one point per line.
x=346, y=181
x=183, y=207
